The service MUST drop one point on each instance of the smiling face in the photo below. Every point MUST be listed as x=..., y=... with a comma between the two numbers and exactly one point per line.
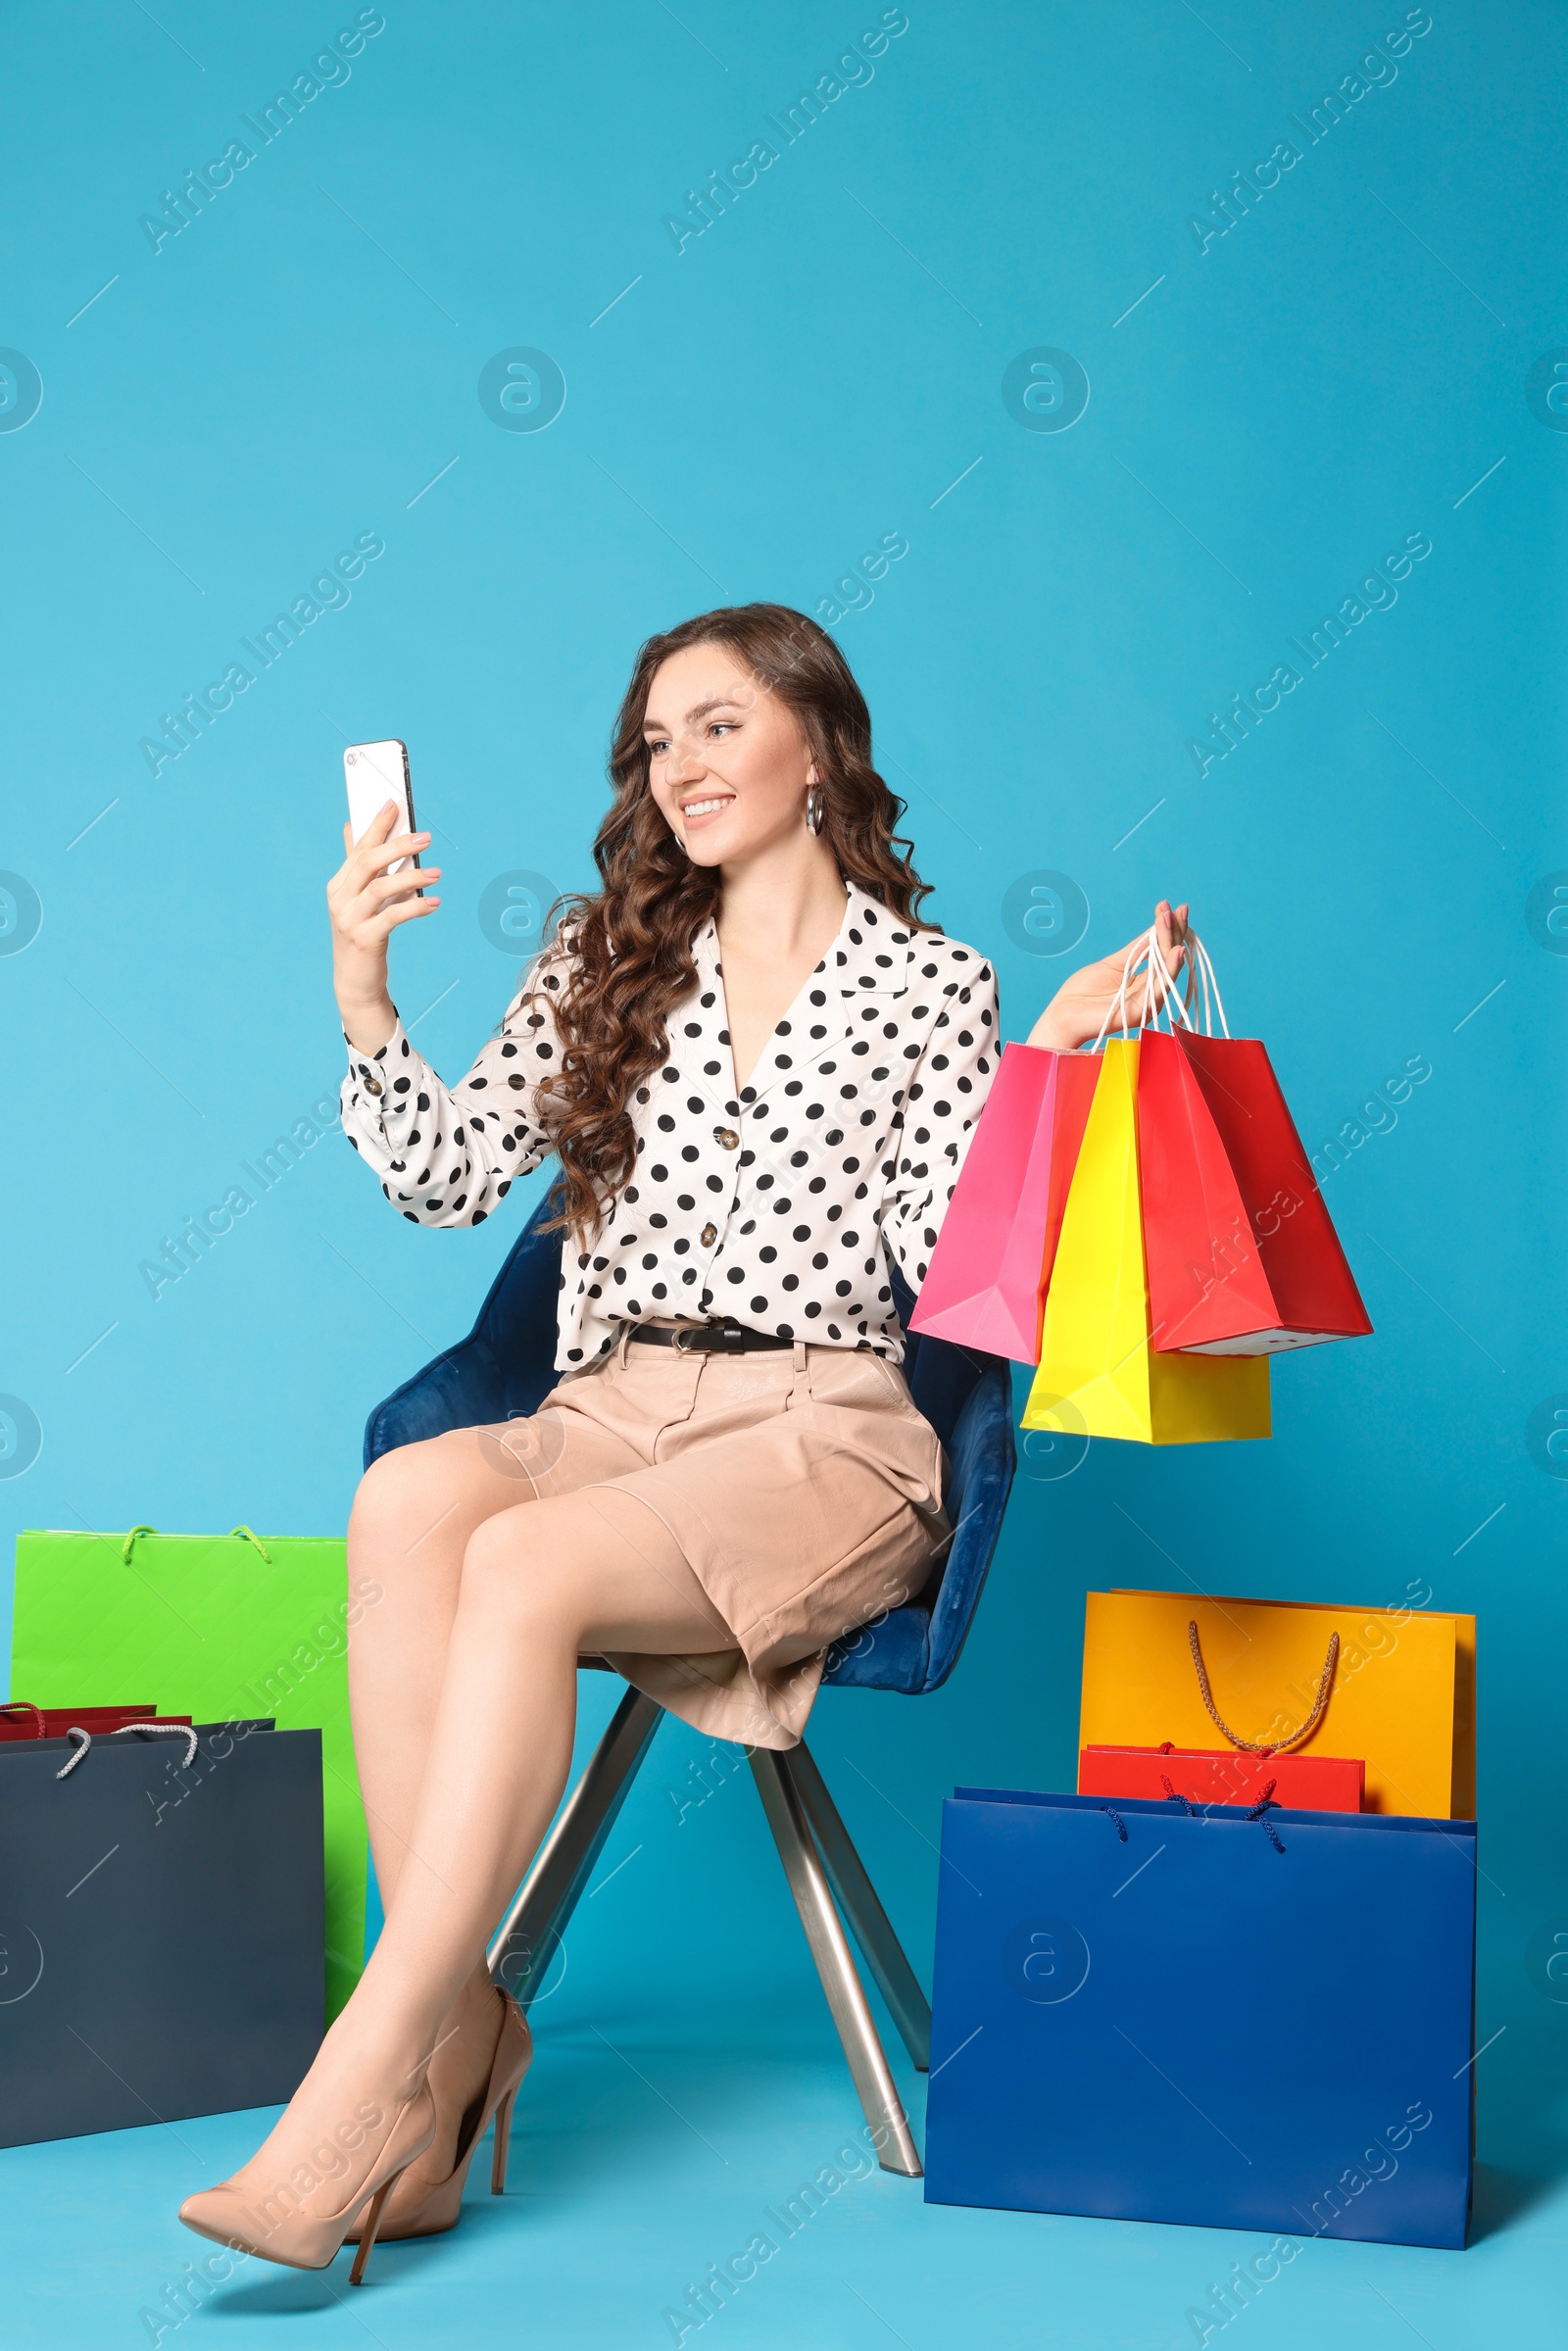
x=727, y=761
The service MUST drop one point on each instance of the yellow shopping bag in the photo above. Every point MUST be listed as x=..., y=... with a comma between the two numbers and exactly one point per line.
x=1398, y=1694
x=1097, y=1373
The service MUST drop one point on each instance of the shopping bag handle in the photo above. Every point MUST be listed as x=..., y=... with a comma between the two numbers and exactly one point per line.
x=25, y=1706
x=1257, y=1746
x=130, y=1542
x=1200, y=974
x=1205, y=970
x=1260, y=1811
x=1141, y=957
x=163, y=1730
x=1265, y=1804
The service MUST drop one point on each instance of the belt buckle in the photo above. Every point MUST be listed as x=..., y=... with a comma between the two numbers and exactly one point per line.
x=678, y=1341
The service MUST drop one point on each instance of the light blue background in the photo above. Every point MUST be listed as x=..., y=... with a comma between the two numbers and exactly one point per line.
x=1268, y=418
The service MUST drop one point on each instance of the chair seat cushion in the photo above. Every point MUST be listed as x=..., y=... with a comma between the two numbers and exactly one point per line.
x=895, y=1654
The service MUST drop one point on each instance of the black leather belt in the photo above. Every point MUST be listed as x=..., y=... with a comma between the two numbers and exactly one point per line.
x=707, y=1339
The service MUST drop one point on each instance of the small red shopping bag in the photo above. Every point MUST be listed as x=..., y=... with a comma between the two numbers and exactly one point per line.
x=987, y=1276
x=1243, y=1258
x=21, y=1719
x=1217, y=1776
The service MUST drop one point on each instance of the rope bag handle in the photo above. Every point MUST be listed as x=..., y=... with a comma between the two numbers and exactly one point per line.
x=1138, y=972
x=1257, y=1746
x=255, y=1540
x=161, y=1730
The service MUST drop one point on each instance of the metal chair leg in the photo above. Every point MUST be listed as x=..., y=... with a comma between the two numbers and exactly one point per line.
x=531, y=1934
x=830, y=1948
x=857, y=1898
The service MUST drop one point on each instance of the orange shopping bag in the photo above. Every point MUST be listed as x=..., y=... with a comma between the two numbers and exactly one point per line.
x=1391, y=1687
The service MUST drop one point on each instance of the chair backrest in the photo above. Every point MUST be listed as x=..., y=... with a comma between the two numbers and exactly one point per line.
x=505, y=1367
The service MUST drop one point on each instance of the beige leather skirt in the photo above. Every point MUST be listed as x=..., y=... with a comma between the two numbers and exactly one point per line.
x=804, y=1490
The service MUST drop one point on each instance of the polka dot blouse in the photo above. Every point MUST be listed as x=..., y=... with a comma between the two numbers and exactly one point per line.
x=776, y=1208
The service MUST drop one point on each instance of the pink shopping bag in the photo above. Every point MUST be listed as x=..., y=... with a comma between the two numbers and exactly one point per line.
x=991, y=1267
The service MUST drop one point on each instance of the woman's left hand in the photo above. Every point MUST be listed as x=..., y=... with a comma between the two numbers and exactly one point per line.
x=1081, y=1005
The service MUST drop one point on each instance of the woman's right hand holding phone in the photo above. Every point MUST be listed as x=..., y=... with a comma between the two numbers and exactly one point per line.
x=365, y=904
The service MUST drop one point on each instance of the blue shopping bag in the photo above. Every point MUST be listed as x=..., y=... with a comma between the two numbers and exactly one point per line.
x=1208, y=2017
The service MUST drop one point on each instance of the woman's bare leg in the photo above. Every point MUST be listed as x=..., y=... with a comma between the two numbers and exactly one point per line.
x=541, y=1584
x=414, y=1515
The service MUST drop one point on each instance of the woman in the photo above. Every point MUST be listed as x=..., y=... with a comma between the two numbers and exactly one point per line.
x=758, y=1071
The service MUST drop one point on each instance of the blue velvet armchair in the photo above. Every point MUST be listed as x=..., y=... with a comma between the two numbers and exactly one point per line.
x=502, y=1370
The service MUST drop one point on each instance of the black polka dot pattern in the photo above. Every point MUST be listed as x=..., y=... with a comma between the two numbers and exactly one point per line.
x=777, y=1206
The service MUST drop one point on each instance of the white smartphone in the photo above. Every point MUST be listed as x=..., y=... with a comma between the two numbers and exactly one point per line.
x=374, y=774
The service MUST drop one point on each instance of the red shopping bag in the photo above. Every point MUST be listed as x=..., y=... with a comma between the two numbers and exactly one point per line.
x=1206, y=1776
x=986, y=1284
x=1243, y=1258
x=21, y=1719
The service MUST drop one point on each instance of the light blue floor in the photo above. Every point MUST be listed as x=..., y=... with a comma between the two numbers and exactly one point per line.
x=650, y=2143
x=688, y=2085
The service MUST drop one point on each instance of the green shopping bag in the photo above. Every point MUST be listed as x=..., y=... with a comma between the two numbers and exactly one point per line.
x=219, y=1626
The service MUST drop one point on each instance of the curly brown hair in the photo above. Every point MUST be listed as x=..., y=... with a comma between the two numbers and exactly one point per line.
x=623, y=954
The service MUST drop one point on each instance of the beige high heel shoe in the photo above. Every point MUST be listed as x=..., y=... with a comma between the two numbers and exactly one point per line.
x=419, y=2208
x=298, y=2241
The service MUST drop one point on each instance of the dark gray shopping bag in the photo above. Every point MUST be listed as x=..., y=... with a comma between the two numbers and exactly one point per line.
x=160, y=1925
